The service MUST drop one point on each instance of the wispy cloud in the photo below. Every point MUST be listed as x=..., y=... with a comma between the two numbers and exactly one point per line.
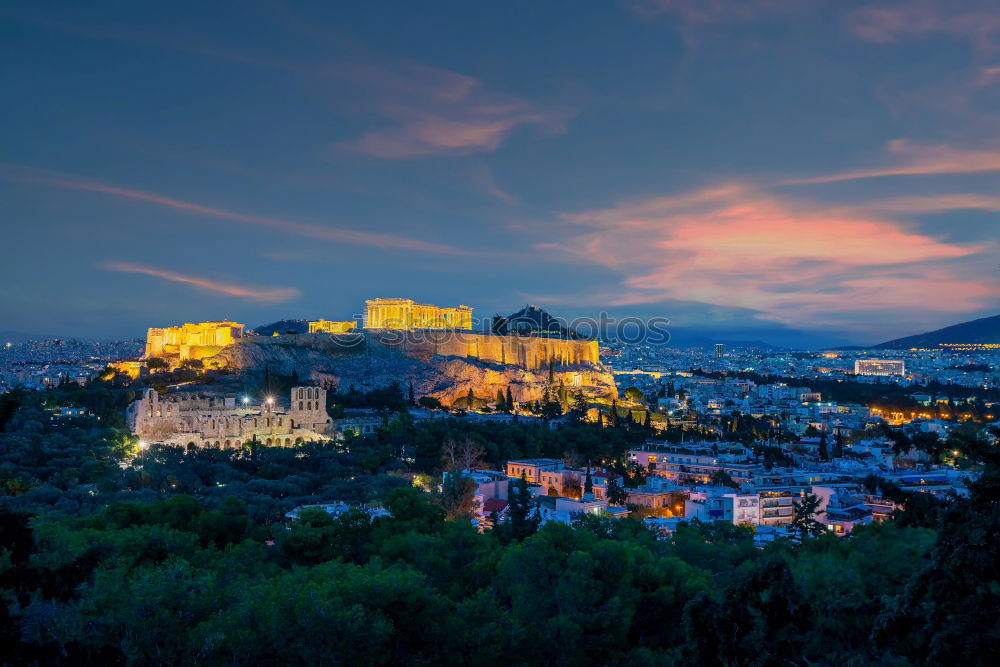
x=428, y=110
x=709, y=11
x=796, y=260
x=987, y=76
x=935, y=203
x=975, y=20
x=483, y=177
x=433, y=111
x=917, y=160
x=255, y=293
x=308, y=230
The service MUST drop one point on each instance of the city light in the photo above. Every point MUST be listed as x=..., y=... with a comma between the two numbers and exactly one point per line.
x=246, y=400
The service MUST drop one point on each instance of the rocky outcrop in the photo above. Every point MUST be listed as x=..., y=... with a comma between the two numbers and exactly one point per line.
x=363, y=361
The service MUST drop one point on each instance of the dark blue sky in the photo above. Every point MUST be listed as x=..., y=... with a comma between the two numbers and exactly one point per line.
x=742, y=166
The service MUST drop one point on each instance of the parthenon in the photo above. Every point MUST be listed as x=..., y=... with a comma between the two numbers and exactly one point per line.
x=407, y=314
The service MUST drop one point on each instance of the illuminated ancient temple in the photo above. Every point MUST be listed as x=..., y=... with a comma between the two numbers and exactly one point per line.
x=407, y=314
x=192, y=341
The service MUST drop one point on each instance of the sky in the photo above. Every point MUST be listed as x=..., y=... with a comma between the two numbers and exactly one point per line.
x=795, y=170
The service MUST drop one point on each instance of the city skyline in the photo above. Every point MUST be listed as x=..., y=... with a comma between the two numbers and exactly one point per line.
x=757, y=170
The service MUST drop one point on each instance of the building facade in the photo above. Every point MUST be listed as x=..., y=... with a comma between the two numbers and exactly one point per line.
x=532, y=470
x=880, y=367
x=407, y=314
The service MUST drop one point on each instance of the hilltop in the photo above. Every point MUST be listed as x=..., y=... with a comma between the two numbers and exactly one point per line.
x=444, y=365
x=283, y=327
x=983, y=330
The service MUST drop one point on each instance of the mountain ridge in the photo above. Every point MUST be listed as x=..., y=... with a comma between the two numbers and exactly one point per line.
x=982, y=330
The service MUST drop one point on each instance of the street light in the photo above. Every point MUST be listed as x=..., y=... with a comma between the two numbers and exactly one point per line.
x=246, y=400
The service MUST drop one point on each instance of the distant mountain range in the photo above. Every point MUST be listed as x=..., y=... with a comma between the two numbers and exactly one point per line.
x=984, y=330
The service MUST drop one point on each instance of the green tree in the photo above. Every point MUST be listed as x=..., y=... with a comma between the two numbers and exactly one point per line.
x=458, y=495
x=552, y=410
x=633, y=394
x=723, y=478
x=804, y=521
x=429, y=402
x=156, y=364
x=617, y=495
x=522, y=514
x=759, y=619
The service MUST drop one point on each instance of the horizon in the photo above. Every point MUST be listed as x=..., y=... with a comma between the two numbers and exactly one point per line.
x=689, y=337
x=777, y=171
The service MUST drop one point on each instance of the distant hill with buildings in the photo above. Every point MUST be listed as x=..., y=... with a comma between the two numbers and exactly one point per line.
x=283, y=327
x=534, y=320
x=974, y=332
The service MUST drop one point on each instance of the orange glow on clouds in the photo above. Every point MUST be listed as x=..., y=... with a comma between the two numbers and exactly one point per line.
x=269, y=294
x=737, y=246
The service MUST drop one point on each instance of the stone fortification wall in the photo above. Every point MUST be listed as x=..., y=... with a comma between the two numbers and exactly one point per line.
x=528, y=353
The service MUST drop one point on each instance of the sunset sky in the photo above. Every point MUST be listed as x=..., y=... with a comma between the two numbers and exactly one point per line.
x=753, y=168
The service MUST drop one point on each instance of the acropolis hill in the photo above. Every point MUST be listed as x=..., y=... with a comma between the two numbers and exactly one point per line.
x=441, y=364
x=419, y=347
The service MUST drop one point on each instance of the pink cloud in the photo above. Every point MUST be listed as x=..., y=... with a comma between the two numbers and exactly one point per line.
x=432, y=111
x=935, y=203
x=916, y=160
x=796, y=261
x=975, y=20
x=308, y=230
x=268, y=294
x=987, y=76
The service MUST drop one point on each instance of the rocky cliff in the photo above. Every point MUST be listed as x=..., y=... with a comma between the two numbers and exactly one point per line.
x=366, y=362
